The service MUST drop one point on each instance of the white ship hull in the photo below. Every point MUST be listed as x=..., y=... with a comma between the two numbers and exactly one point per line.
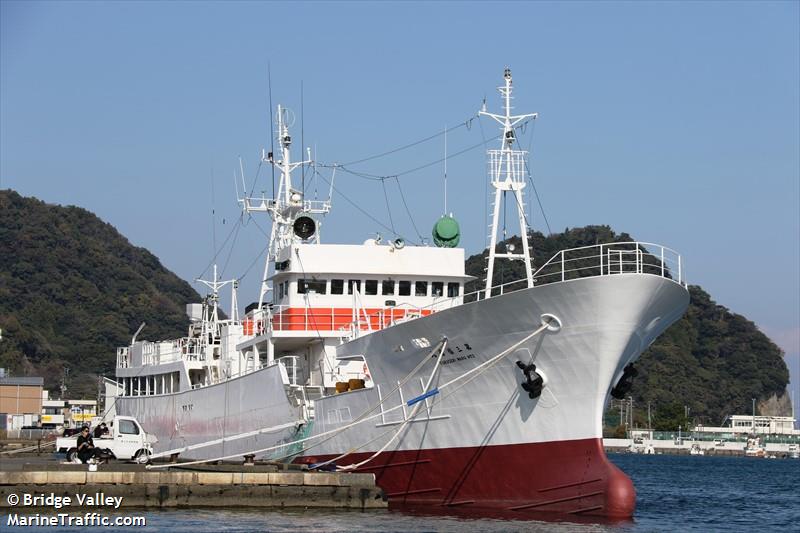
x=483, y=444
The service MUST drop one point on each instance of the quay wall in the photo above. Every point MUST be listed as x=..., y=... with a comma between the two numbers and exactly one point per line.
x=203, y=489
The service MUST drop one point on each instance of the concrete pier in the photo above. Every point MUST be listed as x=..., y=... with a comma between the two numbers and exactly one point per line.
x=709, y=448
x=246, y=487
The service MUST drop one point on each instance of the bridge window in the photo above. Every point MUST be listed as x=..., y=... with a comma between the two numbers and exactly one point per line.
x=311, y=285
x=421, y=288
x=353, y=283
x=452, y=290
x=404, y=288
x=371, y=287
x=280, y=291
x=388, y=286
x=337, y=286
x=437, y=289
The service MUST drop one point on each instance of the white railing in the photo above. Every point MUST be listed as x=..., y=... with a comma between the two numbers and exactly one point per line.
x=190, y=349
x=610, y=259
x=264, y=204
x=123, y=357
x=157, y=353
x=602, y=260
x=290, y=364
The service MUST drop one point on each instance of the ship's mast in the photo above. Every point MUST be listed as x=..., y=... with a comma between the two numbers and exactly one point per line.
x=211, y=315
x=507, y=173
x=288, y=205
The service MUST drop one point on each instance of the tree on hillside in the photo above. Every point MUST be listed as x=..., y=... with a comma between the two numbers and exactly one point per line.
x=72, y=289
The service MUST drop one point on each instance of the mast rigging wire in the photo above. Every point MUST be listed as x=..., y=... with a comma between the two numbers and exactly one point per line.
x=365, y=213
x=247, y=271
x=271, y=125
x=217, y=252
x=258, y=171
x=465, y=150
x=213, y=214
x=485, y=186
x=378, y=177
x=258, y=257
x=302, y=141
x=466, y=124
x=230, y=250
x=403, y=198
x=535, y=191
x=388, y=207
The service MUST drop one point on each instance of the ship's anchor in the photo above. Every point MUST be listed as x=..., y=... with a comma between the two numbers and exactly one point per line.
x=533, y=384
x=625, y=383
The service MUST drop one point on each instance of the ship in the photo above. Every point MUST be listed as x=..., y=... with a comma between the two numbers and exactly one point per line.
x=373, y=357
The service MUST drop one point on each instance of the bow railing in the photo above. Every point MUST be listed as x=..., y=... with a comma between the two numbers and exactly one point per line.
x=599, y=260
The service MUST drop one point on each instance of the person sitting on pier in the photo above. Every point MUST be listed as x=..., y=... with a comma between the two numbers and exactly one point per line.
x=86, y=449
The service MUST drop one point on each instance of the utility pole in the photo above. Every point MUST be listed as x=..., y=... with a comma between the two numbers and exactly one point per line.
x=99, y=395
x=64, y=380
x=630, y=412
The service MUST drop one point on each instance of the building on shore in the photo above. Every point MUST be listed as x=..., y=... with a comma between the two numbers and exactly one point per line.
x=765, y=436
x=25, y=404
x=53, y=411
x=80, y=412
x=743, y=425
x=20, y=402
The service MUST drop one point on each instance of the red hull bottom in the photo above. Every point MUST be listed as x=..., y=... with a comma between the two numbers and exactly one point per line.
x=573, y=477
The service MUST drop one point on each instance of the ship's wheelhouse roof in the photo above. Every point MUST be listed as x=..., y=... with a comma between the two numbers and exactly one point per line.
x=371, y=259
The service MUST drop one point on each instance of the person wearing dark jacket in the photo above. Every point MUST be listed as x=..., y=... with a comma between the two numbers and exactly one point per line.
x=86, y=449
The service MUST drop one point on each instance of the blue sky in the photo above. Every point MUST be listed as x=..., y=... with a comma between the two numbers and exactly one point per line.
x=678, y=123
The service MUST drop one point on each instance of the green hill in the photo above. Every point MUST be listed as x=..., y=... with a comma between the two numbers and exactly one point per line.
x=712, y=361
x=72, y=289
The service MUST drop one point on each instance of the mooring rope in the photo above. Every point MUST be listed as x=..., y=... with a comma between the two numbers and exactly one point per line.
x=425, y=393
x=400, y=383
x=480, y=368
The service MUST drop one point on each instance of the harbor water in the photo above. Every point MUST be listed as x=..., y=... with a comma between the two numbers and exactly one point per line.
x=675, y=493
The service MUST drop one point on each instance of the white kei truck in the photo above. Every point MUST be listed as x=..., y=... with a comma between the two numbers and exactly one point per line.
x=126, y=439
